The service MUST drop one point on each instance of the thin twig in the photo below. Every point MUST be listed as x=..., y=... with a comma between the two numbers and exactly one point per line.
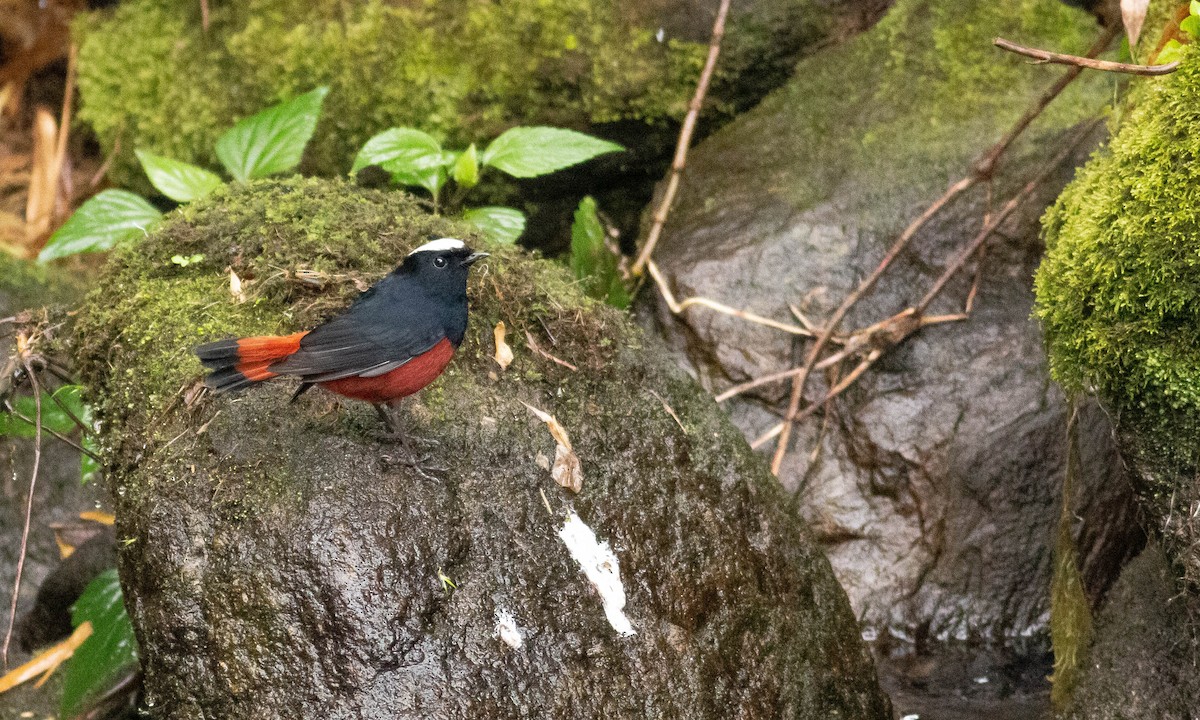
x=982, y=170
x=685, y=141
x=533, y=345
x=20, y=416
x=916, y=312
x=678, y=307
x=37, y=460
x=965, y=254
x=1045, y=56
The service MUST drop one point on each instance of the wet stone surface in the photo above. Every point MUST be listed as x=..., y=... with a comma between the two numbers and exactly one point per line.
x=285, y=561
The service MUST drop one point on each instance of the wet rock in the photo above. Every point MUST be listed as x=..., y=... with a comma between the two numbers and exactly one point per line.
x=936, y=478
x=1143, y=660
x=284, y=561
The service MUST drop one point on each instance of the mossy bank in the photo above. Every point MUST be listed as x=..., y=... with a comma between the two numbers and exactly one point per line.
x=1119, y=294
x=152, y=77
x=281, y=559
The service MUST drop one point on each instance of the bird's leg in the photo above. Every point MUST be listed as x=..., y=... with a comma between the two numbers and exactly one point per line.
x=400, y=436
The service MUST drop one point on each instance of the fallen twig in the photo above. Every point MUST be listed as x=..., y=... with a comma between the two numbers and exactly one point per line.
x=678, y=307
x=37, y=460
x=685, y=141
x=1045, y=56
x=983, y=169
x=533, y=345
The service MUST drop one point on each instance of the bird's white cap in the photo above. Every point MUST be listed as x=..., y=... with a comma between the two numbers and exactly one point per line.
x=440, y=245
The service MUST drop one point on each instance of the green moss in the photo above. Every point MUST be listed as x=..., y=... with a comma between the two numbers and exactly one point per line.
x=1119, y=290
x=287, y=241
x=464, y=70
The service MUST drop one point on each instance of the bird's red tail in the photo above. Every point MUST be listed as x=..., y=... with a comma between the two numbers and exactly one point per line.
x=239, y=363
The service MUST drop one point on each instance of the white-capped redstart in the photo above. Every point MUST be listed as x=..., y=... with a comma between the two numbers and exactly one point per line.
x=395, y=339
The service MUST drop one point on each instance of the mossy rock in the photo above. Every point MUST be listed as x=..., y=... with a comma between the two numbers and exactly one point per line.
x=151, y=77
x=280, y=560
x=1119, y=294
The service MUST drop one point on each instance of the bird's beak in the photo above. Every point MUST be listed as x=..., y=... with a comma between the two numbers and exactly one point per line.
x=470, y=259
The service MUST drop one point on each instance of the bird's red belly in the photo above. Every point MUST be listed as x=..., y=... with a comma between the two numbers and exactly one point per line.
x=401, y=382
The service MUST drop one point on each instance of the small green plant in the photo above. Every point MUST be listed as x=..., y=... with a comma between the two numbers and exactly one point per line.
x=416, y=159
x=60, y=410
x=1190, y=25
x=591, y=259
x=268, y=143
x=108, y=655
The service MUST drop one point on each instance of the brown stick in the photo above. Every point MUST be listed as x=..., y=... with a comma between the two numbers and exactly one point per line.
x=1045, y=56
x=37, y=460
x=685, y=141
x=965, y=254
x=983, y=169
x=678, y=307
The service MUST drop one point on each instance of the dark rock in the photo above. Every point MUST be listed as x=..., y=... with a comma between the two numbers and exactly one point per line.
x=937, y=480
x=285, y=562
x=1145, y=657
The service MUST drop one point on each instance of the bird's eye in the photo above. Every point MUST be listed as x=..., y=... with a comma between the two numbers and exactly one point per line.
x=439, y=262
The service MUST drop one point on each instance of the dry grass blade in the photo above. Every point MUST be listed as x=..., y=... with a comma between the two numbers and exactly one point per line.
x=533, y=345
x=47, y=661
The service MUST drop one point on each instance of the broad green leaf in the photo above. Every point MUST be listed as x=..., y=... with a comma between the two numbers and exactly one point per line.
x=1194, y=7
x=527, y=152
x=273, y=140
x=1191, y=25
x=411, y=147
x=108, y=654
x=466, y=168
x=180, y=181
x=106, y=220
x=502, y=224
x=89, y=469
x=1171, y=52
x=592, y=261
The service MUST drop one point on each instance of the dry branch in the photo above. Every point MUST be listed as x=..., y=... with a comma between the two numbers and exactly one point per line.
x=1045, y=56
x=685, y=141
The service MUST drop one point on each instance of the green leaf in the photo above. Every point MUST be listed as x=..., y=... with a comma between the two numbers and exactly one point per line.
x=502, y=224
x=1190, y=25
x=592, y=261
x=1171, y=52
x=1194, y=7
x=180, y=181
x=273, y=140
x=108, y=654
x=405, y=147
x=526, y=152
x=106, y=220
x=466, y=168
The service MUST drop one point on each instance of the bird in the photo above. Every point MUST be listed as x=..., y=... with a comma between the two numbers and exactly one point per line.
x=393, y=340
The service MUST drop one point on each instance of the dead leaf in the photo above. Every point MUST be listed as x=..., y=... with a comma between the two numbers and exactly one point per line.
x=1133, y=14
x=235, y=287
x=46, y=661
x=504, y=354
x=43, y=180
x=98, y=516
x=566, y=469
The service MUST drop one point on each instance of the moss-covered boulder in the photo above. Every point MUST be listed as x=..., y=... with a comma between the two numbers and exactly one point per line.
x=281, y=560
x=152, y=77
x=934, y=482
x=1119, y=295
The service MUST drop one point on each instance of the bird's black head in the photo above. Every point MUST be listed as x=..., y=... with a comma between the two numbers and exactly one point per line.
x=440, y=266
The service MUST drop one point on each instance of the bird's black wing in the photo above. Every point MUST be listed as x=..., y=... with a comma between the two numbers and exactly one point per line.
x=373, y=337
